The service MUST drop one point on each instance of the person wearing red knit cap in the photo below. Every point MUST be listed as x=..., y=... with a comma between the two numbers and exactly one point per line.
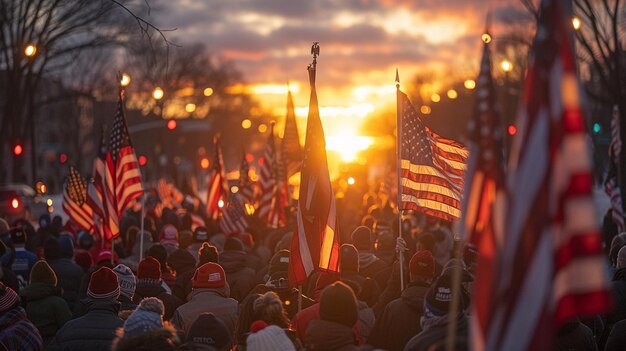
x=95, y=330
x=210, y=294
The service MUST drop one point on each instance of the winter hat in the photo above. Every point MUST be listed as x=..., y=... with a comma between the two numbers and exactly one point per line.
x=456, y=263
x=185, y=239
x=159, y=252
x=169, y=235
x=149, y=268
x=105, y=255
x=201, y=234
x=209, y=275
x=422, y=264
x=128, y=281
x=361, y=238
x=51, y=249
x=85, y=240
x=180, y=260
x=279, y=262
x=4, y=226
x=257, y=325
x=621, y=258
x=18, y=235
x=233, y=244
x=104, y=284
x=8, y=298
x=439, y=296
x=207, y=253
x=348, y=259
x=338, y=304
x=66, y=243
x=269, y=339
x=211, y=331
x=147, y=316
x=83, y=259
x=42, y=273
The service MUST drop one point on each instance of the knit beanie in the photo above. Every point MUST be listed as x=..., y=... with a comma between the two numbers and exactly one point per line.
x=42, y=273
x=4, y=226
x=169, y=235
x=83, y=259
x=185, y=239
x=66, y=243
x=201, y=234
x=348, y=259
x=422, y=264
x=104, y=284
x=210, y=331
x=51, y=249
x=8, y=298
x=149, y=268
x=269, y=338
x=128, y=281
x=233, y=244
x=181, y=260
x=338, y=304
x=279, y=262
x=209, y=275
x=207, y=253
x=106, y=255
x=147, y=316
x=361, y=238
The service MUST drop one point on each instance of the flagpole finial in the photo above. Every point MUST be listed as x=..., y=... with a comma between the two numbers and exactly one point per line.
x=315, y=51
x=397, y=79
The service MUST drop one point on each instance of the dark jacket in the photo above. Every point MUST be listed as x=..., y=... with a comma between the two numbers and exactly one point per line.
x=575, y=336
x=203, y=300
x=69, y=275
x=93, y=332
x=182, y=287
x=45, y=308
x=619, y=290
x=434, y=338
x=152, y=288
x=239, y=273
x=154, y=340
x=17, y=332
x=401, y=319
x=329, y=336
x=617, y=338
x=126, y=304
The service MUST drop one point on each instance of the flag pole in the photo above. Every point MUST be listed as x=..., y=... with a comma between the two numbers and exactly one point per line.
x=398, y=170
x=143, y=216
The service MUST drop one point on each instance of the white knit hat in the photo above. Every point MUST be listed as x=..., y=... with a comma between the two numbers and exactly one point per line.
x=128, y=281
x=269, y=339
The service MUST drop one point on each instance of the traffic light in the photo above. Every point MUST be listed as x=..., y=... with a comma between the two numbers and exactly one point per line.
x=143, y=160
x=171, y=124
x=18, y=149
x=512, y=129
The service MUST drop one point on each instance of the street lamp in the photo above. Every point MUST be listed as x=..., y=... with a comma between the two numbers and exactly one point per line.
x=157, y=93
x=125, y=80
x=469, y=84
x=506, y=66
x=30, y=50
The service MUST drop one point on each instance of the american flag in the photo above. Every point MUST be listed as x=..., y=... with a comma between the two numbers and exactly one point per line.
x=100, y=195
x=551, y=264
x=432, y=167
x=74, y=201
x=217, y=184
x=268, y=180
x=246, y=187
x=277, y=217
x=122, y=162
x=234, y=217
x=611, y=184
x=484, y=193
x=315, y=243
x=291, y=149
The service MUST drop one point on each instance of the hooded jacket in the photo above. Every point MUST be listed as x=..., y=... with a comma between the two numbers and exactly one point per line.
x=400, y=320
x=203, y=300
x=45, y=308
x=94, y=331
x=239, y=273
x=330, y=336
x=153, y=288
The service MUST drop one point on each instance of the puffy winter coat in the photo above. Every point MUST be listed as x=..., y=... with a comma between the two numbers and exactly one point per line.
x=92, y=332
x=240, y=275
x=70, y=276
x=330, y=336
x=203, y=300
x=45, y=308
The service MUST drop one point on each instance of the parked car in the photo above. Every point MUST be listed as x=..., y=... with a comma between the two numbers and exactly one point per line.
x=20, y=201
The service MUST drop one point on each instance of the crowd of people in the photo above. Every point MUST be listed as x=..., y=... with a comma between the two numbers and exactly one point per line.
x=175, y=286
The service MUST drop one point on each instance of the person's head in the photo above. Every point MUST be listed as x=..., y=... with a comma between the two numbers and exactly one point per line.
x=148, y=316
x=4, y=226
x=85, y=240
x=149, y=268
x=169, y=235
x=43, y=274
x=348, y=259
x=621, y=258
x=209, y=275
x=233, y=244
x=106, y=258
x=422, y=266
x=278, y=268
x=338, y=304
x=103, y=285
x=160, y=254
x=181, y=261
x=185, y=239
x=200, y=235
x=128, y=281
x=269, y=308
x=209, y=331
x=269, y=338
x=246, y=316
x=616, y=244
x=362, y=238
x=66, y=243
x=51, y=249
x=8, y=299
x=207, y=253
x=439, y=297
x=84, y=260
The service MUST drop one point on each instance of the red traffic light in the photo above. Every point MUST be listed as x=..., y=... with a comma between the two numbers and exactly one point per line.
x=512, y=129
x=15, y=203
x=143, y=160
x=17, y=149
x=171, y=124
